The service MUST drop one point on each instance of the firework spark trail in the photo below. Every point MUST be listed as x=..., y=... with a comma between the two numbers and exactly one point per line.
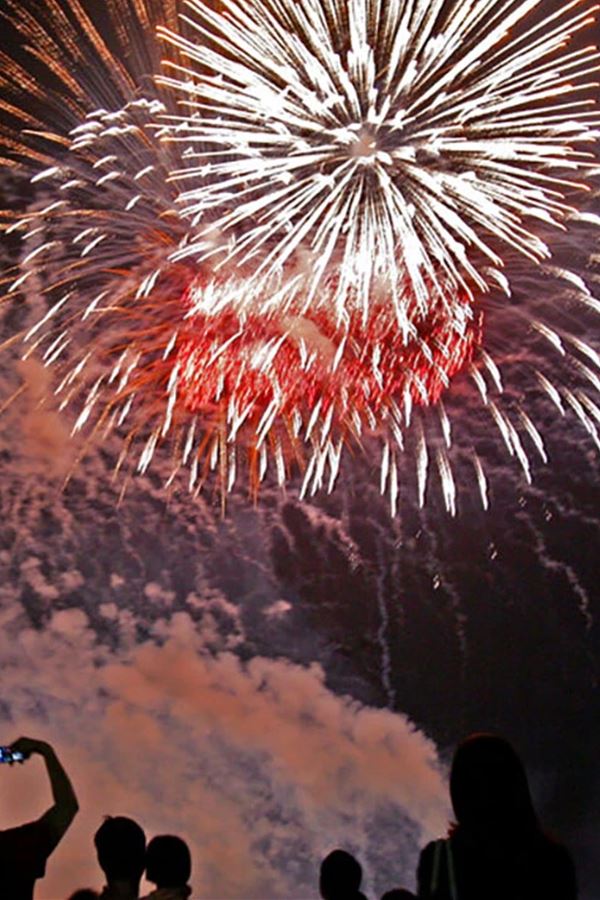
x=382, y=640
x=545, y=555
x=106, y=208
x=553, y=565
x=115, y=234
x=385, y=141
x=455, y=602
x=296, y=257
x=385, y=144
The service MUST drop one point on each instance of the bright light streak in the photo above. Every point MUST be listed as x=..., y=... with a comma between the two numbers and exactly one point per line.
x=284, y=244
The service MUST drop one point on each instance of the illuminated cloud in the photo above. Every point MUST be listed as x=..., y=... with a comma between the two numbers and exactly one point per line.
x=258, y=765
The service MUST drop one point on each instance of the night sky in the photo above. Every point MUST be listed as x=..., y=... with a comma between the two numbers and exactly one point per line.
x=293, y=676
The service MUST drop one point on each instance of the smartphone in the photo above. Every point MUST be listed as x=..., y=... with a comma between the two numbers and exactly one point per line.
x=11, y=756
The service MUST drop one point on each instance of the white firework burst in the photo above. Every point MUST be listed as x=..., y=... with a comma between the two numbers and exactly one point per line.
x=380, y=142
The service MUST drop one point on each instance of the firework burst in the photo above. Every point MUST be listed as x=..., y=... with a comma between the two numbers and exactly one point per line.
x=380, y=140
x=284, y=244
x=101, y=224
x=299, y=379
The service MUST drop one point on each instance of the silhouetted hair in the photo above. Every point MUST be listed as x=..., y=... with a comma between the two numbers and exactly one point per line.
x=488, y=787
x=121, y=848
x=168, y=861
x=341, y=875
x=84, y=894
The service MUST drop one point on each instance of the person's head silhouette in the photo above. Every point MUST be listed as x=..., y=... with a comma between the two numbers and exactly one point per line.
x=121, y=848
x=168, y=862
x=489, y=788
x=340, y=877
x=496, y=846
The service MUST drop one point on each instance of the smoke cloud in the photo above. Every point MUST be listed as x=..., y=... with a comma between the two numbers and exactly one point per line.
x=257, y=764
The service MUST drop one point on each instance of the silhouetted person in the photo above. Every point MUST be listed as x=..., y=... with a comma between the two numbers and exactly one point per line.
x=121, y=848
x=25, y=849
x=497, y=849
x=340, y=877
x=168, y=866
x=85, y=894
x=398, y=894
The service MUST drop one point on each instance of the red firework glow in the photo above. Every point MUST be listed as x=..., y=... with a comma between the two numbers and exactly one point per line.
x=245, y=372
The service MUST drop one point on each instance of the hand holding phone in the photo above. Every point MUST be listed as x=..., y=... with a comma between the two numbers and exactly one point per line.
x=10, y=756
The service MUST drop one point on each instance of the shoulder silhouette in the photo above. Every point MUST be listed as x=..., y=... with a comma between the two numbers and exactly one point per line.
x=497, y=848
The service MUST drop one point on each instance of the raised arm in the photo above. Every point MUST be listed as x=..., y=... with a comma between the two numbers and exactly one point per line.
x=58, y=818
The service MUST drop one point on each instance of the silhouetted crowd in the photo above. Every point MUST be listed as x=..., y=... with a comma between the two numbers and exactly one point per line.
x=495, y=849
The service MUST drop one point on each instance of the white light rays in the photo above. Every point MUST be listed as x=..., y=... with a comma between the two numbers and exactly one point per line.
x=353, y=162
x=388, y=141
